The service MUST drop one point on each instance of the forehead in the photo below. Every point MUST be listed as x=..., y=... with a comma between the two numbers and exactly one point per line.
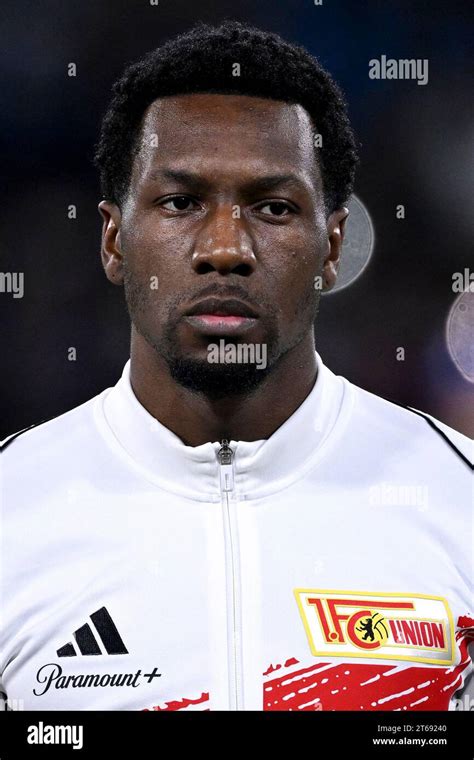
x=212, y=130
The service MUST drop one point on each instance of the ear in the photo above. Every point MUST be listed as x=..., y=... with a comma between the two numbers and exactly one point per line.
x=110, y=252
x=335, y=232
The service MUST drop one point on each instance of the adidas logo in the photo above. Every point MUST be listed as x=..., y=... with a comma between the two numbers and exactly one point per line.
x=106, y=632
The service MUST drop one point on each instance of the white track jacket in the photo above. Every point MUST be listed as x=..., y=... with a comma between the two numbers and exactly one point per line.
x=328, y=567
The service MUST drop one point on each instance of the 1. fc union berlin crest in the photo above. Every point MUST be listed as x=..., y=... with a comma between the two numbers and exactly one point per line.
x=366, y=624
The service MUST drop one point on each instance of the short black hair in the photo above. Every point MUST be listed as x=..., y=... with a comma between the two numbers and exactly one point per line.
x=202, y=60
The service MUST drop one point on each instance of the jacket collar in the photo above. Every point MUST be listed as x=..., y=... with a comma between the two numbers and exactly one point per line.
x=260, y=467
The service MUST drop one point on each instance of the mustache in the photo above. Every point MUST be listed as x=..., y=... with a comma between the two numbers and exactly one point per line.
x=236, y=291
x=181, y=304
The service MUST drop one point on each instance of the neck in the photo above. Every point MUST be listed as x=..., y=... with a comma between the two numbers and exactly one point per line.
x=197, y=419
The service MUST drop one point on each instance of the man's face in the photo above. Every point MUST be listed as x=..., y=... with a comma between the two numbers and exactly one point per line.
x=225, y=201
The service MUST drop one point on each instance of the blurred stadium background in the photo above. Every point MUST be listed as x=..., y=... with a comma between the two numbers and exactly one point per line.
x=416, y=150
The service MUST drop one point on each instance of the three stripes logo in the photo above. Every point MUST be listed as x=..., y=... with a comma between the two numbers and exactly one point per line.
x=87, y=637
x=99, y=637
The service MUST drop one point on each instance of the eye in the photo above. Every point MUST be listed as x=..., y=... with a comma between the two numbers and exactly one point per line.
x=181, y=203
x=277, y=208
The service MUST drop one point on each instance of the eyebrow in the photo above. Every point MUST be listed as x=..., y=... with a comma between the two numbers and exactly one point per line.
x=265, y=182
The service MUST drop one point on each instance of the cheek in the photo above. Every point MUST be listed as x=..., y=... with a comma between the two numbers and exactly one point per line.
x=291, y=281
x=143, y=257
x=302, y=254
x=159, y=251
x=292, y=285
x=307, y=266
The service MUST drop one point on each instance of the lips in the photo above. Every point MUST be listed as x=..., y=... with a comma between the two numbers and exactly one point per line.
x=219, y=307
x=214, y=316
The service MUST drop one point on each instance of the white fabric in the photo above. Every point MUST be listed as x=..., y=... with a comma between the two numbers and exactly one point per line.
x=352, y=496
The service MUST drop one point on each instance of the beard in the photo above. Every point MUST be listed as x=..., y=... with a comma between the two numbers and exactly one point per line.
x=214, y=380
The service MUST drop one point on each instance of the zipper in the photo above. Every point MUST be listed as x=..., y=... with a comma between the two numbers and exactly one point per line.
x=225, y=456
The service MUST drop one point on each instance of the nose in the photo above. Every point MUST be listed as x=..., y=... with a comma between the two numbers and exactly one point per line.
x=223, y=244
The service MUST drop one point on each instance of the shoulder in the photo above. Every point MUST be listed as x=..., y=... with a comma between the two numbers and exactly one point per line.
x=395, y=427
x=50, y=443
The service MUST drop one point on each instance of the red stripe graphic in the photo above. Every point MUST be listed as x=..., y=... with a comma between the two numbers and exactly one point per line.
x=181, y=704
x=356, y=686
x=466, y=622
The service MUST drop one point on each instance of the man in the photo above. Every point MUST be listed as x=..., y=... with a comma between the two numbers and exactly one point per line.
x=232, y=526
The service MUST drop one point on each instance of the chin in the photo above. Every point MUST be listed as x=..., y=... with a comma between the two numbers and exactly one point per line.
x=216, y=380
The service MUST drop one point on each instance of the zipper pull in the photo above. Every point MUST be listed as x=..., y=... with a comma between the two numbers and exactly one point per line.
x=225, y=456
